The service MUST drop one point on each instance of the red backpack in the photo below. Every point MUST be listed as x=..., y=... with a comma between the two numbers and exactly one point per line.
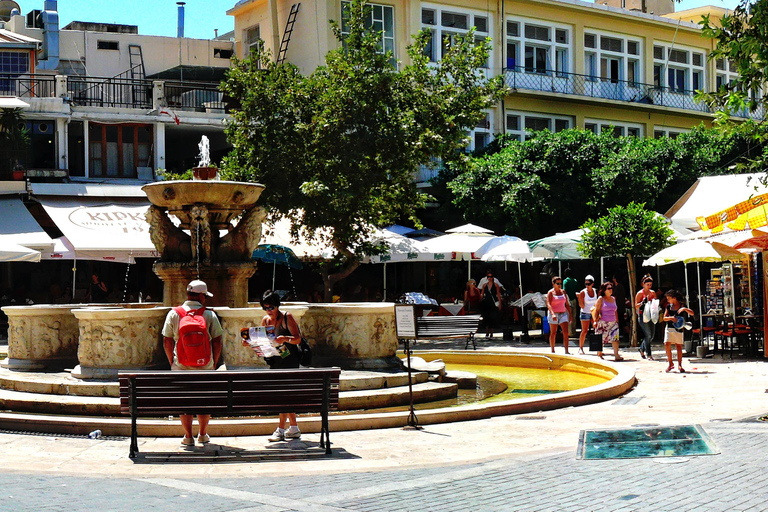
x=194, y=346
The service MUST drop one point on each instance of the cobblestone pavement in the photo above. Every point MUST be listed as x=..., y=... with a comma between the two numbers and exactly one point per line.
x=730, y=481
x=525, y=462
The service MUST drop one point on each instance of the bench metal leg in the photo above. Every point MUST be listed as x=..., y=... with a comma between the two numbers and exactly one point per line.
x=470, y=338
x=325, y=439
x=134, y=431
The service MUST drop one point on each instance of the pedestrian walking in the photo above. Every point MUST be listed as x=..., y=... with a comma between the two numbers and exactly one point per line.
x=571, y=287
x=559, y=312
x=606, y=320
x=490, y=304
x=676, y=314
x=642, y=298
x=587, y=300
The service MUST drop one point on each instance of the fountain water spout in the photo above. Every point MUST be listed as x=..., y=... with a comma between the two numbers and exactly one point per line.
x=205, y=171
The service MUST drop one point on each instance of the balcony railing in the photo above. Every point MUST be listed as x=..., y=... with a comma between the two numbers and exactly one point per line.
x=110, y=92
x=201, y=97
x=27, y=86
x=609, y=89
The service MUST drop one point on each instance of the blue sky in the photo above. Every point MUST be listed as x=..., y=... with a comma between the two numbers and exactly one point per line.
x=158, y=17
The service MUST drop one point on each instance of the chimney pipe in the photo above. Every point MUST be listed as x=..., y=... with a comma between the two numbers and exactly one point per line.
x=180, y=28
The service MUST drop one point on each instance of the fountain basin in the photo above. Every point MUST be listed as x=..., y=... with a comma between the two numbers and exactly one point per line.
x=225, y=199
x=41, y=336
x=234, y=355
x=113, y=339
x=353, y=336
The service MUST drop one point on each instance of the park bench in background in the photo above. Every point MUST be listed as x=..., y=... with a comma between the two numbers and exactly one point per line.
x=229, y=393
x=460, y=326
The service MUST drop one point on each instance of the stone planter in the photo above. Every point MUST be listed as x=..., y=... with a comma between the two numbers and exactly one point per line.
x=41, y=337
x=113, y=339
x=233, y=353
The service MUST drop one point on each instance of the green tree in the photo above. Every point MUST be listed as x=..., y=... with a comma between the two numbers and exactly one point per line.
x=555, y=181
x=742, y=41
x=337, y=149
x=627, y=231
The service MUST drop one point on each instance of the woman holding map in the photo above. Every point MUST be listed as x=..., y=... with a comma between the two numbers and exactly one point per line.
x=287, y=338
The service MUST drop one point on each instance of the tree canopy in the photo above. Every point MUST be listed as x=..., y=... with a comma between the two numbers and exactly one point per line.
x=338, y=148
x=742, y=43
x=555, y=181
x=627, y=231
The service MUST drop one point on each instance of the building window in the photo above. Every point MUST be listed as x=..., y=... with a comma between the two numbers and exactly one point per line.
x=252, y=39
x=12, y=63
x=381, y=19
x=681, y=70
x=672, y=133
x=545, y=47
x=107, y=45
x=520, y=124
x=222, y=53
x=481, y=136
x=447, y=24
x=115, y=151
x=619, y=129
x=613, y=58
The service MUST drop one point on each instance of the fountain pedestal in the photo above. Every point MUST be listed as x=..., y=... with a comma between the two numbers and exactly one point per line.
x=227, y=282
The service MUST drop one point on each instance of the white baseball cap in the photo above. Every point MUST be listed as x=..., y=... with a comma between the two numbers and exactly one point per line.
x=589, y=278
x=198, y=286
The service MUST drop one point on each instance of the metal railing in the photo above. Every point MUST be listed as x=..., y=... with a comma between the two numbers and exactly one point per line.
x=609, y=89
x=110, y=92
x=195, y=96
x=27, y=85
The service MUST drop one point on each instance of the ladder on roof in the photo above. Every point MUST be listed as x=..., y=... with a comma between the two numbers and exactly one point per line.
x=287, y=34
x=136, y=59
x=136, y=72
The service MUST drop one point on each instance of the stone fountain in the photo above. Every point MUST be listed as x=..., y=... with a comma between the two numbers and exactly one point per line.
x=195, y=248
x=202, y=229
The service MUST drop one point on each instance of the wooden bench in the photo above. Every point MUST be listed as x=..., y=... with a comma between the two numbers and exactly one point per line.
x=229, y=393
x=460, y=326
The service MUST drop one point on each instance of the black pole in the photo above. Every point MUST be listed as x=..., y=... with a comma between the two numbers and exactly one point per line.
x=413, y=421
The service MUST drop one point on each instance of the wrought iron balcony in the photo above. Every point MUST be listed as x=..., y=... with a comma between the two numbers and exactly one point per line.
x=609, y=89
x=27, y=86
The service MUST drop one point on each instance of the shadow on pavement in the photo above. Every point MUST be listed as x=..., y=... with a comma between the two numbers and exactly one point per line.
x=220, y=454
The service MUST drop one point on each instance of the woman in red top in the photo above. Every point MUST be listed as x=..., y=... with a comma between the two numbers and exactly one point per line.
x=471, y=298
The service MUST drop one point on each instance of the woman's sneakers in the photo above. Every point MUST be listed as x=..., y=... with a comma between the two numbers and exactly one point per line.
x=280, y=434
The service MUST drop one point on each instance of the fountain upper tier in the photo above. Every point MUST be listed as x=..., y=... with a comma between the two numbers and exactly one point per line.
x=225, y=200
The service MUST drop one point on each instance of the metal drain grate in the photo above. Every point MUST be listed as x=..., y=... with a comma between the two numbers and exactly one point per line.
x=65, y=436
x=676, y=441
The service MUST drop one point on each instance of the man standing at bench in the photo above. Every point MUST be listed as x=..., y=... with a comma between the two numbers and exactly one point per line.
x=192, y=341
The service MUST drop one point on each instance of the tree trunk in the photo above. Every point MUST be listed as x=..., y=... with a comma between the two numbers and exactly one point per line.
x=632, y=292
x=330, y=280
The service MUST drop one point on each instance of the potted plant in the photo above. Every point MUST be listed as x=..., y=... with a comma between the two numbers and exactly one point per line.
x=14, y=142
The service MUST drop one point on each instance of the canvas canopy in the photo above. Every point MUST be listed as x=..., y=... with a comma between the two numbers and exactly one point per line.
x=100, y=230
x=17, y=226
x=711, y=194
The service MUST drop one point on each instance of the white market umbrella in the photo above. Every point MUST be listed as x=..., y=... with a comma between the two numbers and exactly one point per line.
x=14, y=252
x=560, y=246
x=469, y=228
x=693, y=251
x=463, y=244
x=507, y=248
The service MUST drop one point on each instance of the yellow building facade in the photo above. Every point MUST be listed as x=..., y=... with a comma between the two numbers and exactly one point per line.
x=569, y=64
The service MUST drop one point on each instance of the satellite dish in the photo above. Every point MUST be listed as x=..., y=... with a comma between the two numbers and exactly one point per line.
x=6, y=6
